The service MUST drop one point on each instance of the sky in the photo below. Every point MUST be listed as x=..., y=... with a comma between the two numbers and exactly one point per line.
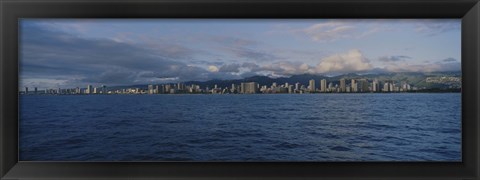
x=68, y=53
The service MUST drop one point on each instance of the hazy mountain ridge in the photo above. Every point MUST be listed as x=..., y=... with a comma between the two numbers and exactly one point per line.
x=417, y=79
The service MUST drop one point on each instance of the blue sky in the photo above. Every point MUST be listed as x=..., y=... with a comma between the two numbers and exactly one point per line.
x=75, y=52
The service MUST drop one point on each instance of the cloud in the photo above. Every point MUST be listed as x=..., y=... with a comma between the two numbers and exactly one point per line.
x=334, y=30
x=349, y=62
x=449, y=60
x=434, y=27
x=329, y=31
x=234, y=41
x=448, y=64
x=230, y=68
x=286, y=68
x=76, y=61
x=243, y=48
x=213, y=68
x=423, y=67
x=251, y=54
x=393, y=58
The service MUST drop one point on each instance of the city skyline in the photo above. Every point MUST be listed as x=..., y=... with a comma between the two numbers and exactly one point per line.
x=356, y=85
x=74, y=52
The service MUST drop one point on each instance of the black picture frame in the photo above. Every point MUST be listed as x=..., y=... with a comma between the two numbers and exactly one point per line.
x=467, y=10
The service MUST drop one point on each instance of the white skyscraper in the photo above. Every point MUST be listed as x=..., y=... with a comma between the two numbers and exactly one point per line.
x=312, y=85
x=354, y=86
x=89, y=89
x=375, y=86
x=323, y=85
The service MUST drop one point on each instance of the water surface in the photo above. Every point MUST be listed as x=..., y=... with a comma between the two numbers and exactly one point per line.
x=260, y=127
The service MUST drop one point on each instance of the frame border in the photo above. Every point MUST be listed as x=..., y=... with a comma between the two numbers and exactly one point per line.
x=12, y=10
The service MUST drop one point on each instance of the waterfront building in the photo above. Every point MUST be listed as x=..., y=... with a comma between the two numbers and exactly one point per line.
x=342, y=85
x=290, y=89
x=104, y=89
x=375, y=85
x=297, y=86
x=354, y=86
x=95, y=90
x=363, y=85
x=180, y=86
x=249, y=88
x=89, y=89
x=167, y=88
x=386, y=87
x=150, y=89
x=311, y=85
x=323, y=85
x=36, y=90
x=26, y=90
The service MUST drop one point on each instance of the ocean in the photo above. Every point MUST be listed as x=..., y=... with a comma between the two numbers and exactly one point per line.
x=257, y=127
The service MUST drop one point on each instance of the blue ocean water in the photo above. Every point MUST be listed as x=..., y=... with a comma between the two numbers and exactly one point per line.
x=260, y=127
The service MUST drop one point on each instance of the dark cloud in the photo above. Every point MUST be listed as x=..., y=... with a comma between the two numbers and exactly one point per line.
x=203, y=62
x=393, y=58
x=250, y=65
x=46, y=53
x=230, y=68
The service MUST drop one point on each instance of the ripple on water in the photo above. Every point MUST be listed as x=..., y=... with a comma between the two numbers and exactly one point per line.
x=340, y=148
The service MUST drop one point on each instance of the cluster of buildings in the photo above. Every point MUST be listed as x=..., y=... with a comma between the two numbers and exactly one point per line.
x=313, y=86
x=342, y=86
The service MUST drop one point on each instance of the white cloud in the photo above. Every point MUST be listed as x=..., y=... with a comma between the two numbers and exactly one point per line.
x=213, y=68
x=449, y=64
x=351, y=61
x=329, y=31
x=434, y=27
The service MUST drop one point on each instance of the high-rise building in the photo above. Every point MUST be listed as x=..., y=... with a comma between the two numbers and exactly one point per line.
x=36, y=90
x=363, y=85
x=290, y=89
x=181, y=86
x=386, y=87
x=26, y=90
x=95, y=90
x=89, y=89
x=297, y=86
x=354, y=86
x=150, y=89
x=323, y=85
x=311, y=84
x=249, y=88
x=104, y=89
x=375, y=86
x=167, y=88
x=342, y=85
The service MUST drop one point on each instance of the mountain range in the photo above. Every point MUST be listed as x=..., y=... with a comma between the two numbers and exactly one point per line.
x=416, y=79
